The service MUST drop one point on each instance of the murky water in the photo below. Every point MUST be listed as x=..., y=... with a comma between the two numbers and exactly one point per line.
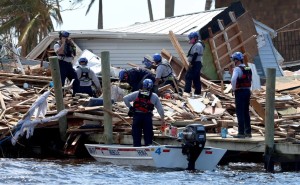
x=33, y=171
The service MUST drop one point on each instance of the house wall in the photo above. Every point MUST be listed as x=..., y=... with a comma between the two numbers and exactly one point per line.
x=273, y=13
x=277, y=14
x=123, y=51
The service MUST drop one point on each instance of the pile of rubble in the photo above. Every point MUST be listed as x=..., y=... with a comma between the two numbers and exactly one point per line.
x=214, y=109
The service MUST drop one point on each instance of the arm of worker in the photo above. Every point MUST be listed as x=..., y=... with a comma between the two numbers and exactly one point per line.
x=59, y=48
x=130, y=98
x=96, y=80
x=157, y=104
x=234, y=77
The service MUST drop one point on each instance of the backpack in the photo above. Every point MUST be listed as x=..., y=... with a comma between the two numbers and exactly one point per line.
x=84, y=74
x=246, y=79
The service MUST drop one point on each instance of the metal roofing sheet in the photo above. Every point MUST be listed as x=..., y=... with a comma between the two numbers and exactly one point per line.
x=180, y=25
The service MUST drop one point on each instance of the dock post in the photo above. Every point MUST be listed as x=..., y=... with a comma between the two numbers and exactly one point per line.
x=269, y=122
x=55, y=73
x=106, y=87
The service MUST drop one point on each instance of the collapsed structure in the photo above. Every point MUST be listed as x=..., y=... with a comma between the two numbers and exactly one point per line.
x=224, y=31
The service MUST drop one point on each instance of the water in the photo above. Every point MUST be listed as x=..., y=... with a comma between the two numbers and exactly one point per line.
x=74, y=171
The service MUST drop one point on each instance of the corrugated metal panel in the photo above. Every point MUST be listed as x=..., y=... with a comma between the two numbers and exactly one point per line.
x=125, y=51
x=178, y=24
x=267, y=56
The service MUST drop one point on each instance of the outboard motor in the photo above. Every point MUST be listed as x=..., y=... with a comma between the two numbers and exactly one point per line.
x=194, y=138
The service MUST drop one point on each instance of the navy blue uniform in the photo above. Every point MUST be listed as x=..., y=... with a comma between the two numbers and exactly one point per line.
x=136, y=78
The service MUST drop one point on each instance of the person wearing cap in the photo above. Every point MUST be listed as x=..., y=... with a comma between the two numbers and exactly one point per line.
x=144, y=101
x=195, y=64
x=87, y=78
x=241, y=83
x=66, y=51
x=164, y=73
x=135, y=77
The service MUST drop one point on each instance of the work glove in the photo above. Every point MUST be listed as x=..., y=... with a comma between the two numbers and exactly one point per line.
x=131, y=111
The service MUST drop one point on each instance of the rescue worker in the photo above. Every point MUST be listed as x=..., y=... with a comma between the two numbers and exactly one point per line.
x=135, y=77
x=86, y=78
x=66, y=51
x=164, y=73
x=241, y=84
x=144, y=102
x=195, y=64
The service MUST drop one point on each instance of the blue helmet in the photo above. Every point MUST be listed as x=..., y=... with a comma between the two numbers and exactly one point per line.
x=83, y=61
x=122, y=75
x=64, y=34
x=238, y=56
x=157, y=57
x=193, y=35
x=147, y=84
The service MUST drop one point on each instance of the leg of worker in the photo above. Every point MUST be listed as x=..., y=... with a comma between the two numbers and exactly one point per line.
x=239, y=104
x=188, y=81
x=148, y=130
x=196, y=77
x=137, y=129
x=246, y=111
x=71, y=74
x=63, y=71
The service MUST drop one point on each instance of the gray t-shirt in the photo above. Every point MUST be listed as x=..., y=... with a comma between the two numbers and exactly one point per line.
x=164, y=70
x=196, y=48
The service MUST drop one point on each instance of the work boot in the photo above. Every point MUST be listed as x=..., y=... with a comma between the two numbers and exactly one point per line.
x=248, y=135
x=239, y=136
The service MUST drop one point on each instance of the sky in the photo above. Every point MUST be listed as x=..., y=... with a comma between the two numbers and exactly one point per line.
x=120, y=13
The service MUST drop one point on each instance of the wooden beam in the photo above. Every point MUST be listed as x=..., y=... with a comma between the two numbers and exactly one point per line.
x=179, y=50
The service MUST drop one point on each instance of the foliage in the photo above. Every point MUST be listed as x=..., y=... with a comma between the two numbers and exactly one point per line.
x=28, y=20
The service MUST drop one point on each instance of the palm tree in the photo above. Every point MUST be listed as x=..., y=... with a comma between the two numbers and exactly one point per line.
x=29, y=20
x=100, y=12
x=169, y=8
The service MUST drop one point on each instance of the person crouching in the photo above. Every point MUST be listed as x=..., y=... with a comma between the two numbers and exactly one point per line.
x=86, y=78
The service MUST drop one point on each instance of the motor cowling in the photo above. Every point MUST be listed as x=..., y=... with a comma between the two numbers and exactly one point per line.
x=194, y=138
x=194, y=133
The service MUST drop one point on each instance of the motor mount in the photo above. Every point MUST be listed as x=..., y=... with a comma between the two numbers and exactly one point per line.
x=193, y=138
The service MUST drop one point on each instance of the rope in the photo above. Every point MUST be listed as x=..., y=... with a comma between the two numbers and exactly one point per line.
x=288, y=24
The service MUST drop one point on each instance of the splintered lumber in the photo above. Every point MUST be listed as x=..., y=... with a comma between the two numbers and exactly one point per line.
x=3, y=107
x=169, y=104
x=275, y=132
x=179, y=50
x=258, y=108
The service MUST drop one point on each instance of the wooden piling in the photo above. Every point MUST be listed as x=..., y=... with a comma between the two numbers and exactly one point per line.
x=105, y=70
x=269, y=122
x=55, y=73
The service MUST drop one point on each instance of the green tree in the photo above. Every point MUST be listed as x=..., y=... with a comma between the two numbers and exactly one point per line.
x=29, y=20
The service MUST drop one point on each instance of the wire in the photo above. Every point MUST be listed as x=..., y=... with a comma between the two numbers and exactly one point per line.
x=288, y=24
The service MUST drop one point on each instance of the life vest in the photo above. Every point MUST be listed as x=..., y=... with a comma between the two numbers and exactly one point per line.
x=84, y=74
x=69, y=50
x=246, y=79
x=142, y=103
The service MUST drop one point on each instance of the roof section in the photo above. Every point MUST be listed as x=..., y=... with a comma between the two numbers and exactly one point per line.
x=180, y=25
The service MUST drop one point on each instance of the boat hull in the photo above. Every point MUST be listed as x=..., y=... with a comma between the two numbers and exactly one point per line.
x=162, y=156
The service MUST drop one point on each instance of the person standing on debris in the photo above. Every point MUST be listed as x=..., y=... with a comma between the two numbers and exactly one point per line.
x=66, y=51
x=135, y=77
x=164, y=73
x=86, y=78
x=144, y=102
x=241, y=84
x=195, y=64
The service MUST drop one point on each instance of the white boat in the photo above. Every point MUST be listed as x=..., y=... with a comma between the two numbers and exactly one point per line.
x=161, y=156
